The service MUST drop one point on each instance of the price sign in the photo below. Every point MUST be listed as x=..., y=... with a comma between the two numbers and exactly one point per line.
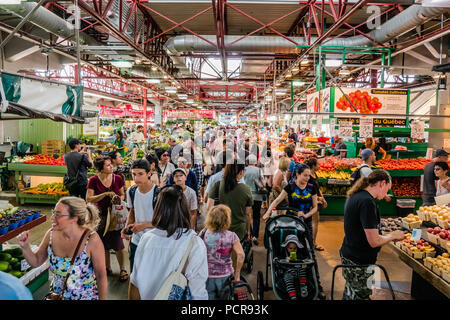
x=366, y=127
x=333, y=126
x=417, y=129
x=24, y=265
x=416, y=234
x=345, y=129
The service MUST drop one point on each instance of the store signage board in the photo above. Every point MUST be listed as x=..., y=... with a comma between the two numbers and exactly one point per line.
x=344, y=182
x=378, y=122
x=417, y=129
x=392, y=101
x=366, y=127
x=345, y=129
x=312, y=101
x=90, y=127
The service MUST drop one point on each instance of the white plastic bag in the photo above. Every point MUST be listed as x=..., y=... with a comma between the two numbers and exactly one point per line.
x=121, y=212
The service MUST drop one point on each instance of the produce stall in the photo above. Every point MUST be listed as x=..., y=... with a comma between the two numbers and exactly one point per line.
x=14, y=221
x=40, y=165
x=334, y=178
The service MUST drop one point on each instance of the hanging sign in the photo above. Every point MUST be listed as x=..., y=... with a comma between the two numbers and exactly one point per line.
x=90, y=127
x=417, y=129
x=345, y=130
x=366, y=127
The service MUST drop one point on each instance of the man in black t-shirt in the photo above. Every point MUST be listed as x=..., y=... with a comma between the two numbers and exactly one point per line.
x=363, y=239
x=78, y=160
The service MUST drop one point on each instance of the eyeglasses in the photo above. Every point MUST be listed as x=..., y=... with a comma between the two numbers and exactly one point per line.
x=57, y=214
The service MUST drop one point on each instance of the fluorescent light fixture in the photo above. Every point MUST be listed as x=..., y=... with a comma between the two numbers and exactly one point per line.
x=436, y=3
x=190, y=101
x=298, y=83
x=195, y=104
x=182, y=96
x=280, y=92
x=305, y=61
x=122, y=63
x=153, y=81
x=171, y=89
x=154, y=68
x=10, y=2
x=333, y=63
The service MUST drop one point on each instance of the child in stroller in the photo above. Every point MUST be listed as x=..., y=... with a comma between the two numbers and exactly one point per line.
x=291, y=276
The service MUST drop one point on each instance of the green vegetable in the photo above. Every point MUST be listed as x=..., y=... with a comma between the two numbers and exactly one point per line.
x=5, y=256
x=140, y=154
x=16, y=273
x=4, y=266
x=15, y=252
x=16, y=266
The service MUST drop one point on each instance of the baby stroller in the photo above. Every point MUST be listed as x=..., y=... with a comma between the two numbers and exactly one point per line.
x=248, y=261
x=277, y=229
x=237, y=290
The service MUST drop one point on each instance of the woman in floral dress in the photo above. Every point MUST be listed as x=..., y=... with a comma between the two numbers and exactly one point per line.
x=70, y=218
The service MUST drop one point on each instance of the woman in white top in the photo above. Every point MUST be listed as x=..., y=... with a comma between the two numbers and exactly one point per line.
x=442, y=185
x=161, y=249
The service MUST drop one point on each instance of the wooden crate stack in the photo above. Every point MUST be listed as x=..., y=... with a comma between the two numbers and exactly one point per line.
x=53, y=146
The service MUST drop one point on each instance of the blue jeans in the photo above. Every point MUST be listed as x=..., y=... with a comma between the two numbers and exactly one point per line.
x=215, y=288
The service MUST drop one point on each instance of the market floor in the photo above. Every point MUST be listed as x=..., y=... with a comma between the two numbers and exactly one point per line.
x=331, y=233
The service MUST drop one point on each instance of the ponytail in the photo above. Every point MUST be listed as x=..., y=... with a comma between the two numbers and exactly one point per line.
x=92, y=216
x=374, y=177
x=87, y=213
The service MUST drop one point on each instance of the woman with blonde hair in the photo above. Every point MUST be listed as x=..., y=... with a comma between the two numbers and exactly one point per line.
x=220, y=245
x=73, y=222
x=279, y=179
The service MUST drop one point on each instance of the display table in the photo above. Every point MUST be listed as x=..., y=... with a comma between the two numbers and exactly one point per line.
x=423, y=279
x=21, y=169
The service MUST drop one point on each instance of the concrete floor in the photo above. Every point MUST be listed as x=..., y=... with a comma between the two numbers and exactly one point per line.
x=330, y=236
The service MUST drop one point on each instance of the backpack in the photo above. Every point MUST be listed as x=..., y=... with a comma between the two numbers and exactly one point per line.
x=356, y=175
x=155, y=194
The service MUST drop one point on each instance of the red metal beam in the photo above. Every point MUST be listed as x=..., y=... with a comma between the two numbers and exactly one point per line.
x=174, y=22
x=261, y=23
x=107, y=8
x=178, y=25
x=312, y=11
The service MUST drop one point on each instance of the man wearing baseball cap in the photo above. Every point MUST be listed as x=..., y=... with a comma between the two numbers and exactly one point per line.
x=179, y=177
x=369, y=159
x=429, y=178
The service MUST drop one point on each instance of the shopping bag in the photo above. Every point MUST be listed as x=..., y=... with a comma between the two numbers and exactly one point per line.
x=120, y=213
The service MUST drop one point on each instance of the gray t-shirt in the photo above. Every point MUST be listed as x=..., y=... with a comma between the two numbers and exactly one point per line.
x=429, y=178
x=191, y=198
x=251, y=175
x=365, y=170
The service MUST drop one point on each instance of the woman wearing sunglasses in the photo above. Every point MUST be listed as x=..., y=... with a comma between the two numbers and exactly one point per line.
x=442, y=185
x=165, y=166
x=72, y=220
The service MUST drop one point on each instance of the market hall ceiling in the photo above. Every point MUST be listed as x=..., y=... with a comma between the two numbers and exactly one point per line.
x=223, y=54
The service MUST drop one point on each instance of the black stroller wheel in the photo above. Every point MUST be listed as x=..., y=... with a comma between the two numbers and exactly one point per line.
x=260, y=286
x=250, y=262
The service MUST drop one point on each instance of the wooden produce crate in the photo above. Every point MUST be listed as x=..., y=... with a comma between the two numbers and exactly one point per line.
x=53, y=146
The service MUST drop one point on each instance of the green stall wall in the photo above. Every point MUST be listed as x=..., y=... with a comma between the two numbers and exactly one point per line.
x=37, y=130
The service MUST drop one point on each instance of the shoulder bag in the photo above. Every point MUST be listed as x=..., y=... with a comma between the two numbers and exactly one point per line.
x=176, y=285
x=60, y=296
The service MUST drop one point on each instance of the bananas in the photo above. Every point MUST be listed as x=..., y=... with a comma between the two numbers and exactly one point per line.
x=333, y=175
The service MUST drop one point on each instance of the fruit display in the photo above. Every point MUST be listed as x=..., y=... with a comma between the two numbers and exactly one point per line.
x=333, y=175
x=391, y=224
x=440, y=237
x=439, y=215
x=333, y=163
x=16, y=218
x=10, y=262
x=313, y=146
x=311, y=139
x=44, y=159
x=403, y=164
x=362, y=101
x=439, y=265
x=48, y=188
x=399, y=147
x=333, y=189
x=411, y=222
x=406, y=187
x=419, y=250
x=18, y=159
